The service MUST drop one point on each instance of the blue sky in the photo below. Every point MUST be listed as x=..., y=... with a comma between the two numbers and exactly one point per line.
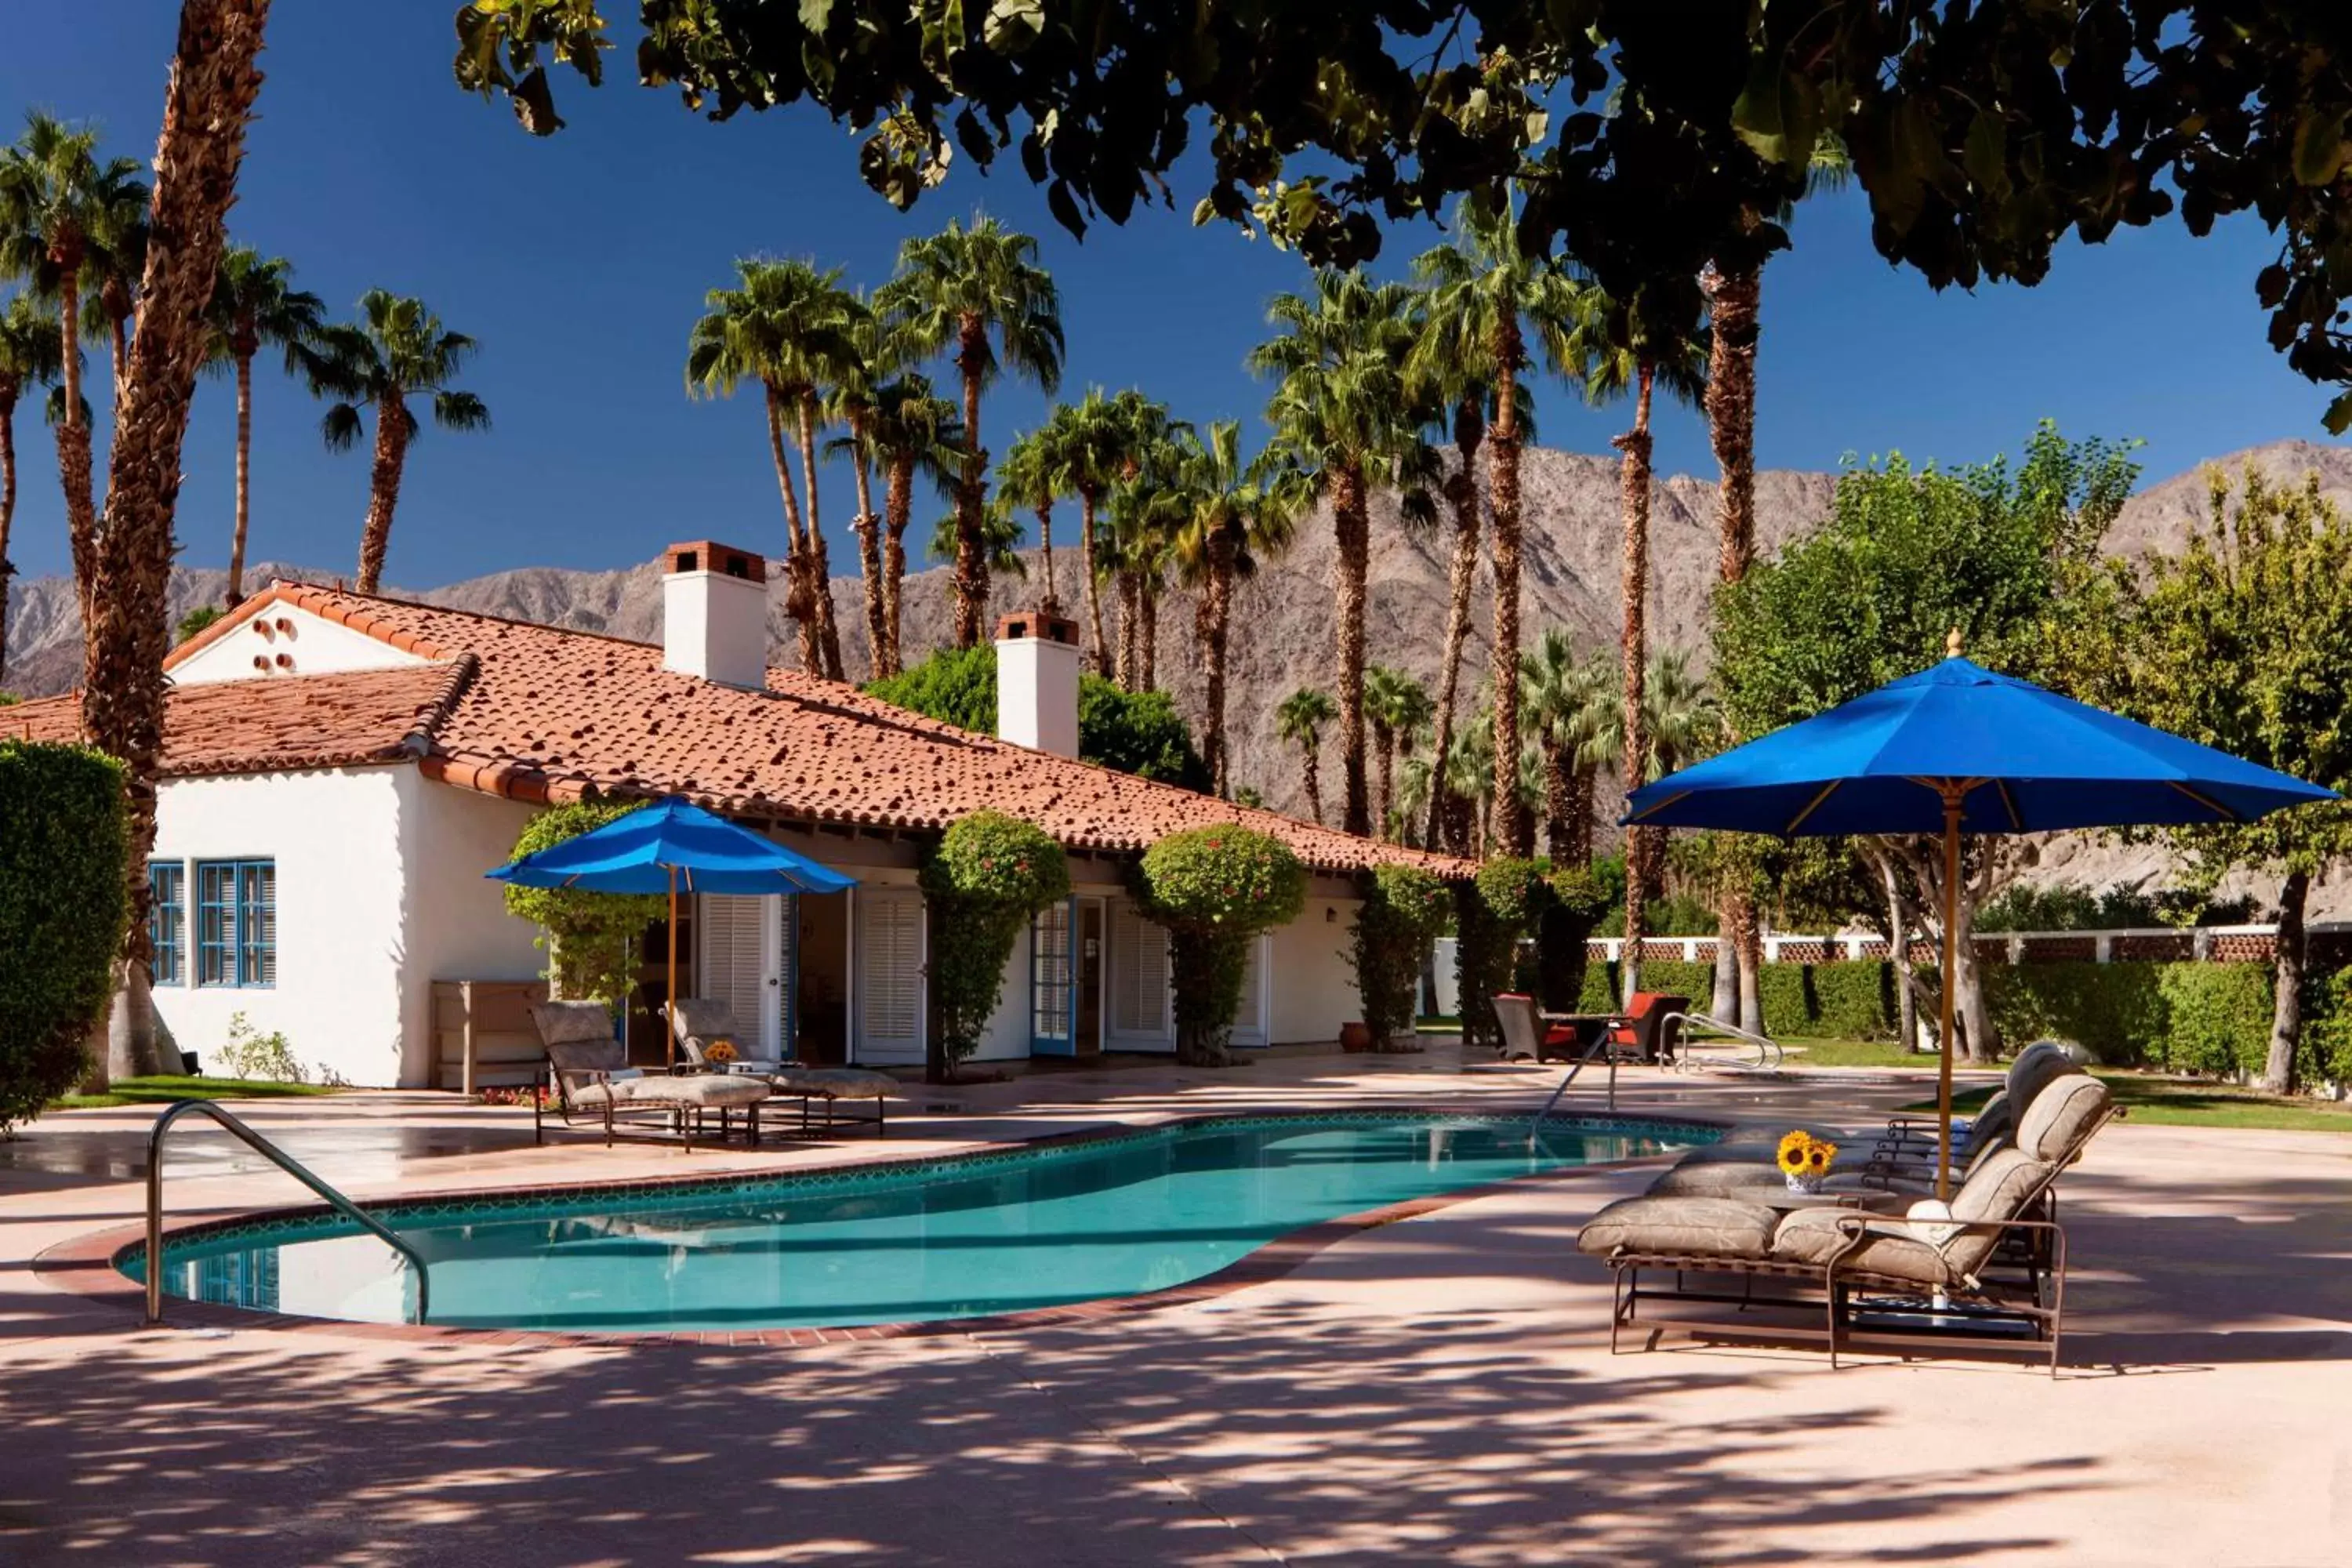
x=581, y=261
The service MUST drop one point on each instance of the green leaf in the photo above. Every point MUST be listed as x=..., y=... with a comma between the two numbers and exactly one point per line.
x=2318, y=146
x=534, y=105
x=1985, y=154
x=1012, y=25
x=815, y=13
x=2338, y=418
x=1756, y=115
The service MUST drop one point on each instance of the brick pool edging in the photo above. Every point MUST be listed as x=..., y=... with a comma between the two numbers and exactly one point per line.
x=86, y=1265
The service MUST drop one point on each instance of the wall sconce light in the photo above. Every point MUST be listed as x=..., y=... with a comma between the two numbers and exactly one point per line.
x=1330, y=914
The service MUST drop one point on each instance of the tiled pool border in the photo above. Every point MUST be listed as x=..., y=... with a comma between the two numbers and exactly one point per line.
x=92, y=1266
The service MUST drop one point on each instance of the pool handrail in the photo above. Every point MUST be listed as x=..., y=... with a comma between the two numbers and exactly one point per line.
x=1769, y=1054
x=283, y=1161
x=1600, y=1046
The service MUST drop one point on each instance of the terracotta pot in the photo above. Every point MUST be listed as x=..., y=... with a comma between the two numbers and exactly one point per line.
x=1355, y=1036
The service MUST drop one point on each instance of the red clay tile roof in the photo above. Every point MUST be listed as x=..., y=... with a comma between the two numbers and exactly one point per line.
x=556, y=715
x=293, y=721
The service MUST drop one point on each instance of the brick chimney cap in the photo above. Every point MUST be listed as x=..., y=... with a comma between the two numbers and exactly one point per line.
x=1047, y=625
x=709, y=555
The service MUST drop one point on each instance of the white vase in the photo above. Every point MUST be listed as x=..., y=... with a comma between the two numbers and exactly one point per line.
x=1807, y=1185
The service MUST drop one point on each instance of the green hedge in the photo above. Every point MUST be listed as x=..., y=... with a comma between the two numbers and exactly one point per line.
x=2182, y=1017
x=64, y=897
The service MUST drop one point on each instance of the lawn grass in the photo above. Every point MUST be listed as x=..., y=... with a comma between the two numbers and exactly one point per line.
x=165, y=1088
x=2159, y=1101
x=1830, y=1053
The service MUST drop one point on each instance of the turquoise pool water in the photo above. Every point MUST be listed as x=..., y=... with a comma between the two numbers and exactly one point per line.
x=958, y=1237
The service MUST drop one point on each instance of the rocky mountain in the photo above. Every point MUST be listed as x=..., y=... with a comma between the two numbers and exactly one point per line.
x=1282, y=621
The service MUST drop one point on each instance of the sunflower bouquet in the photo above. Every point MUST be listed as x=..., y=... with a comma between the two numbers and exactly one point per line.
x=721, y=1052
x=1805, y=1160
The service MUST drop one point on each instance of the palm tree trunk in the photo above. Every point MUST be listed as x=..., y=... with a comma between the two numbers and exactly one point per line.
x=1086, y=497
x=119, y=341
x=869, y=546
x=1350, y=575
x=1559, y=798
x=800, y=603
x=1314, y=779
x=1462, y=492
x=73, y=441
x=383, y=487
x=1733, y=299
x=1634, y=484
x=1216, y=601
x=207, y=101
x=1384, y=748
x=243, y=465
x=1579, y=816
x=898, y=507
x=972, y=550
x=820, y=568
x=1130, y=613
x=7, y=510
x=1513, y=825
x=1052, y=602
x=1147, y=633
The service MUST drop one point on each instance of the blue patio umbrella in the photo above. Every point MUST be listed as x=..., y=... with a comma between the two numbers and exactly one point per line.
x=1957, y=749
x=655, y=848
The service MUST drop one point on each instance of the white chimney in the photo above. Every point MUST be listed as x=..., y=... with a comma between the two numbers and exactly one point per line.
x=1038, y=682
x=715, y=614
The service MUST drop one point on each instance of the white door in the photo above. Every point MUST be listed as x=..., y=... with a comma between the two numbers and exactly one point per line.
x=889, y=979
x=1142, y=1016
x=1249, y=1016
x=742, y=964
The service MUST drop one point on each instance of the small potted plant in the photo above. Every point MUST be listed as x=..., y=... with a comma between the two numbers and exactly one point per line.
x=1805, y=1161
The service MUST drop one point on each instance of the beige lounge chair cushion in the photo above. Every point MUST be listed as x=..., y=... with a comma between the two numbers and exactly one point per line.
x=1718, y=1178
x=701, y=1091
x=835, y=1083
x=2061, y=1116
x=1684, y=1226
x=1998, y=1191
x=575, y=1024
x=2037, y=1066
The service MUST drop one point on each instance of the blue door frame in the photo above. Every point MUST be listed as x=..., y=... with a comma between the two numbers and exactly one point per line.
x=1053, y=982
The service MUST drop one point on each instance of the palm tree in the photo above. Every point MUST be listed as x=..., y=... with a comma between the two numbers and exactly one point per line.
x=1300, y=721
x=59, y=206
x=254, y=303
x=1242, y=513
x=1094, y=442
x=1617, y=347
x=792, y=329
x=1466, y=779
x=396, y=350
x=117, y=256
x=1482, y=290
x=1567, y=703
x=1345, y=406
x=1415, y=794
x=952, y=291
x=208, y=100
x=1150, y=508
x=1030, y=476
x=874, y=354
x=28, y=359
x=909, y=434
x=1395, y=705
x=1000, y=539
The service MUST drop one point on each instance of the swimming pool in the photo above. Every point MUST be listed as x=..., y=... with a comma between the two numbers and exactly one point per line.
x=962, y=1237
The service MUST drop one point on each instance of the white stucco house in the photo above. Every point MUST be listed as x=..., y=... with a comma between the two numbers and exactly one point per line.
x=342, y=768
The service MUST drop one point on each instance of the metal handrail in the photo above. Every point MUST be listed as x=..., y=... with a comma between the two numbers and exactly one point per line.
x=1599, y=1046
x=283, y=1161
x=1769, y=1054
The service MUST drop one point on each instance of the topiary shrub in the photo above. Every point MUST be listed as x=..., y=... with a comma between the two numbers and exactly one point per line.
x=988, y=877
x=1403, y=908
x=1215, y=889
x=2216, y=1016
x=585, y=935
x=1578, y=900
x=1490, y=914
x=64, y=898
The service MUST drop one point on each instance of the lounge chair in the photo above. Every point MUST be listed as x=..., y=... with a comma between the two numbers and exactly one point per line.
x=701, y=1022
x=1992, y=1273
x=1525, y=1036
x=588, y=1077
x=1651, y=1029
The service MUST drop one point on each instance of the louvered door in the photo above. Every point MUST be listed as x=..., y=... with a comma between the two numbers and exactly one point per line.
x=741, y=965
x=1140, y=1018
x=889, y=1000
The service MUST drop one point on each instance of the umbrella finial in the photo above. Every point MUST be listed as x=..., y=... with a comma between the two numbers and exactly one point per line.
x=1952, y=643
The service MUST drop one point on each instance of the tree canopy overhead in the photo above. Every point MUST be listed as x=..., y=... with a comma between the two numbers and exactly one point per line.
x=1651, y=140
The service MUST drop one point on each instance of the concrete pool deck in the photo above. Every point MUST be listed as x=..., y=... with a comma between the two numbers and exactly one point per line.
x=1434, y=1391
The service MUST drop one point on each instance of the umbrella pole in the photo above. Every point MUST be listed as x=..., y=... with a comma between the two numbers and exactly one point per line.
x=669, y=996
x=1949, y=989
